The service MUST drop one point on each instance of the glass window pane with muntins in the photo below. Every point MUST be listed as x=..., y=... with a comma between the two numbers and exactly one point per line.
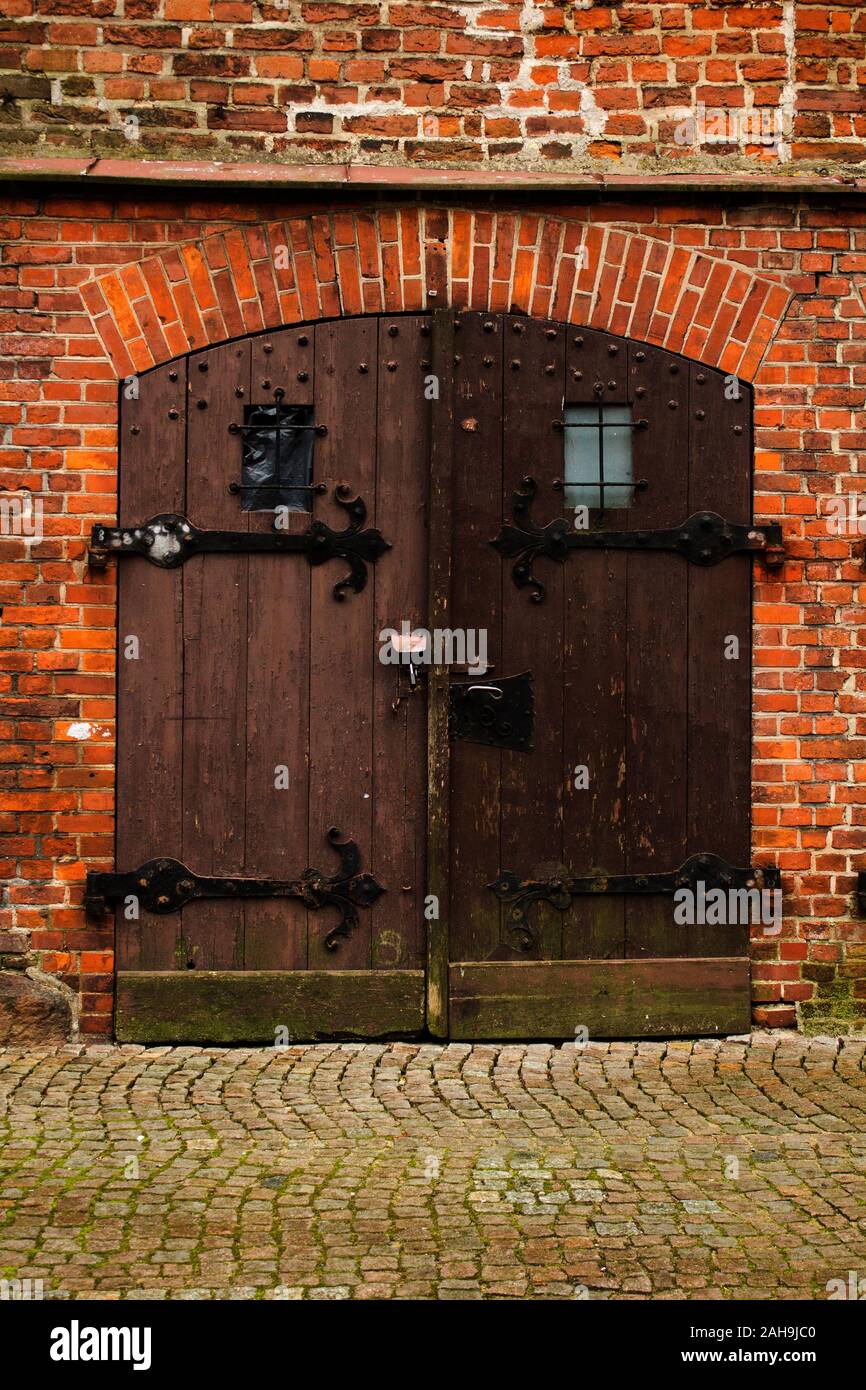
x=598, y=463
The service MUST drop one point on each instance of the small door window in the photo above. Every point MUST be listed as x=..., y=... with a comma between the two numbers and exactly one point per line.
x=598, y=464
x=277, y=464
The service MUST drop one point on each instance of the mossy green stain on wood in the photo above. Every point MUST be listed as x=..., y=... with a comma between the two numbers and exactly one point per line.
x=234, y=1006
x=610, y=999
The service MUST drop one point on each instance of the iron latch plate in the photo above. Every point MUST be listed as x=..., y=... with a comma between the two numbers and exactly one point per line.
x=497, y=713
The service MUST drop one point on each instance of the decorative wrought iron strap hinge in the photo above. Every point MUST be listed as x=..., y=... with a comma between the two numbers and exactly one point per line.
x=168, y=540
x=166, y=885
x=559, y=889
x=497, y=713
x=704, y=539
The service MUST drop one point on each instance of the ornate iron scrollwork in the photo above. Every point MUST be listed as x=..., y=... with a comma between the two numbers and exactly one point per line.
x=559, y=889
x=166, y=885
x=168, y=540
x=704, y=539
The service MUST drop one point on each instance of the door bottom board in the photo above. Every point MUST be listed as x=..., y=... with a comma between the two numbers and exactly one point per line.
x=489, y=1000
x=641, y=998
x=250, y=1006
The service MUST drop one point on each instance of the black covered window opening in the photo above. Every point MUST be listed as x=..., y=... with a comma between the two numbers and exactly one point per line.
x=277, y=467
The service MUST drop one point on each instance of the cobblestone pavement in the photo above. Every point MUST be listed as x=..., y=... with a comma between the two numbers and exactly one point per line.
x=700, y=1170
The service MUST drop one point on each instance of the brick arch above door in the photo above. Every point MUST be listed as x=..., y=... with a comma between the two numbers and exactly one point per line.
x=255, y=277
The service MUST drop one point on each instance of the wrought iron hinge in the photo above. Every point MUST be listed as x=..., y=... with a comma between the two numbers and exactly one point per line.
x=169, y=539
x=166, y=885
x=497, y=713
x=559, y=889
x=704, y=539
x=861, y=892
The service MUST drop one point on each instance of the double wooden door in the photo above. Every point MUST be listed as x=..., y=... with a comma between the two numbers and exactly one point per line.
x=314, y=841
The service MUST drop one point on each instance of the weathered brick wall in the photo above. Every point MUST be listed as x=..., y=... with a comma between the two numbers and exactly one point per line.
x=475, y=83
x=91, y=287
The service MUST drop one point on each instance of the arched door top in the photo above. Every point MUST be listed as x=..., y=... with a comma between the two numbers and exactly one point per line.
x=275, y=347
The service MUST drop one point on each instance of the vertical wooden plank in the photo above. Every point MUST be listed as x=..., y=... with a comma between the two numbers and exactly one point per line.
x=400, y=587
x=476, y=603
x=150, y=672
x=215, y=639
x=278, y=676
x=532, y=636
x=438, y=749
x=342, y=649
x=595, y=680
x=657, y=681
x=719, y=682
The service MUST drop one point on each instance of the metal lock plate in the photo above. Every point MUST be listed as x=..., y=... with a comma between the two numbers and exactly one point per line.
x=498, y=713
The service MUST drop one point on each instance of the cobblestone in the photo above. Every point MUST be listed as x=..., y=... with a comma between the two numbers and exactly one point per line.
x=707, y=1170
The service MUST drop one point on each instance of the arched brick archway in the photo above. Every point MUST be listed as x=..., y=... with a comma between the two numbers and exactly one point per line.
x=390, y=260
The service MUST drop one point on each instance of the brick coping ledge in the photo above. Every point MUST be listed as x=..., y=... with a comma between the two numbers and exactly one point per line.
x=98, y=169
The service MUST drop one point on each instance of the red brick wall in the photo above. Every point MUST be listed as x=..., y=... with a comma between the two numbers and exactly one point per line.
x=93, y=287
x=479, y=82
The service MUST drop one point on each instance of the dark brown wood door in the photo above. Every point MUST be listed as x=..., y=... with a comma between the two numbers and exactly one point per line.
x=640, y=666
x=254, y=713
x=418, y=870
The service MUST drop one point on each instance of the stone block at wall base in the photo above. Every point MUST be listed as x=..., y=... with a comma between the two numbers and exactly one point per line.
x=34, y=1011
